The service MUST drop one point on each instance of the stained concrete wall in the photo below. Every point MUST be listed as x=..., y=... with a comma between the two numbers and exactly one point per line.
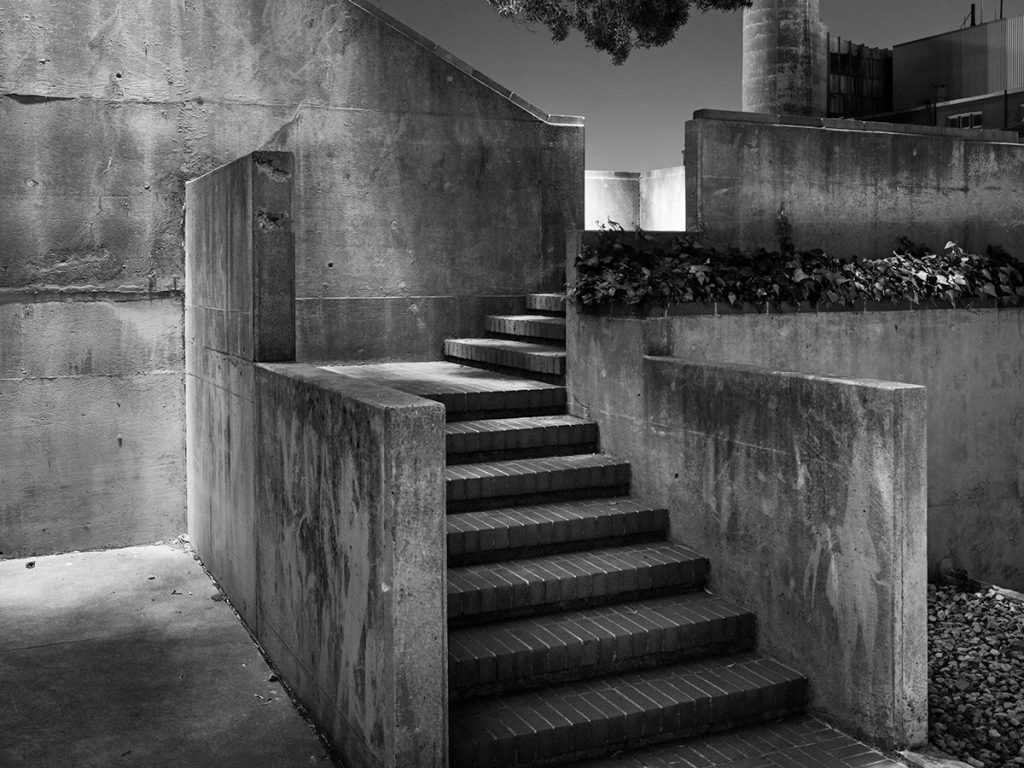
x=851, y=187
x=971, y=362
x=317, y=502
x=351, y=560
x=91, y=444
x=651, y=200
x=429, y=194
x=806, y=492
x=240, y=267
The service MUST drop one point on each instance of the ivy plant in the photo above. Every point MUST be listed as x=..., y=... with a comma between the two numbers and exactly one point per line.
x=639, y=270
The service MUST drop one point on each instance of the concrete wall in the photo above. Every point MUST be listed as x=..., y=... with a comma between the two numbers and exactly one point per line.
x=806, y=492
x=851, y=187
x=91, y=413
x=317, y=502
x=651, y=200
x=351, y=560
x=971, y=362
x=427, y=194
x=240, y=267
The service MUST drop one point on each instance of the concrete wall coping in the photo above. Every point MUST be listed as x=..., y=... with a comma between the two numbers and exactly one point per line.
x=675, y=170
x=842, y=124
x=455, y=61
x=720, y=308
x=612, y=174
x=375, y=395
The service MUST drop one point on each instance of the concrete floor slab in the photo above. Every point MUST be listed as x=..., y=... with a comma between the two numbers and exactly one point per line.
x=131, y=658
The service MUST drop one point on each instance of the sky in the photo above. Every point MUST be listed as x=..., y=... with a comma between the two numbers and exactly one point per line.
x=635, y=112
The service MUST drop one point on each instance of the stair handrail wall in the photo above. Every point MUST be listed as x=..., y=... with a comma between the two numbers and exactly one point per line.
x=316, y=501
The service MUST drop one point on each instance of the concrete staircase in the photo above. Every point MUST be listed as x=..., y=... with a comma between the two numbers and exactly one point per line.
x=576, y=629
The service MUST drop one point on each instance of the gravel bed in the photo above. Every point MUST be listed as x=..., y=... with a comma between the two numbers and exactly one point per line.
x=976, y=676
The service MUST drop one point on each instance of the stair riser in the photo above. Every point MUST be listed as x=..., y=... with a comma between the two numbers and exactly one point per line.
x=507, y=482
x=538, y=452
x=466, y=406
x=477, y=555
x=544, y=332
x=567, y=589
x=612, y=722
x=507, y=369
x=507, y=674
x=555, y=342
x=553, y=304
x=505, y=445
x=550, y=496
x=536, y=531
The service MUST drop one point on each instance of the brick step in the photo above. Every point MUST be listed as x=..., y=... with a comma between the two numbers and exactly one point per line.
x=504, y=355
x=537, y=328
x=570, y=581
x=597, y=717
x=466, y=392
x=496, y=439
x=549, y=303
x=490, y=485
x=532, y=531
x=539, y=651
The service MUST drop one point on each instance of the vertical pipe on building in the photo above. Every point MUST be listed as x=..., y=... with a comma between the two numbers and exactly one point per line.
x=785, y=58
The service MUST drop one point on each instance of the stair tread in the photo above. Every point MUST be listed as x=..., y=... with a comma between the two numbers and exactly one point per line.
x=557, y=322
x=571, y=577
x=515, y=423
x=590, y=639
x=463, y=389
x=522, y=347
x=546, y=513
x=514, y=467
x=606, y=713
x=539, y=526
x=440, y=378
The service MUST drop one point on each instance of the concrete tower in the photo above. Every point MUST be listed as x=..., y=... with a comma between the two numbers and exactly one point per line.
x=784, y=58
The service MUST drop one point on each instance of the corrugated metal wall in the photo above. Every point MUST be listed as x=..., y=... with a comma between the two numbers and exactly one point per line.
x=957, y=65
x=1015, y=53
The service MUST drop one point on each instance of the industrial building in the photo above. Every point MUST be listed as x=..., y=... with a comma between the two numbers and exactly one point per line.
x=972, y=77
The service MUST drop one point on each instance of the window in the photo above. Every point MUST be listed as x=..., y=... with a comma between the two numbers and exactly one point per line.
x=965, y=120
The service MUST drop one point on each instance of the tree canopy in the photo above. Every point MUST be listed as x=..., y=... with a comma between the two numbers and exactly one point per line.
x=613, y=26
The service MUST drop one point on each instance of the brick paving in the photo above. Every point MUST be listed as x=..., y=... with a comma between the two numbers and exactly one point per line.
x=803, y=742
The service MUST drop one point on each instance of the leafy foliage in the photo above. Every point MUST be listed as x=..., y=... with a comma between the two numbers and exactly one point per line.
x=613, y=26
x=635, y=269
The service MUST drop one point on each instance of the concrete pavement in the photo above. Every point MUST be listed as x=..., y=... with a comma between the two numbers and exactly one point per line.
x=131, y=657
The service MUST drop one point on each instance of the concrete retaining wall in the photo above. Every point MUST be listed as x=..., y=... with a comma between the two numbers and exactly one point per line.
x=351, y=560
x=652, y=200
x=849, y=186
x=428, y=195
x=91, y=414
x=807, y=493
x=316, y=501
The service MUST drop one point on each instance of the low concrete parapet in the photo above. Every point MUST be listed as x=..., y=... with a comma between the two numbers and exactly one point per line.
x=807, y=493
x=350, y=531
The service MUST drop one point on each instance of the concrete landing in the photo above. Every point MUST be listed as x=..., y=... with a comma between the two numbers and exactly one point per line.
x=437, y=378
x=122, y=658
